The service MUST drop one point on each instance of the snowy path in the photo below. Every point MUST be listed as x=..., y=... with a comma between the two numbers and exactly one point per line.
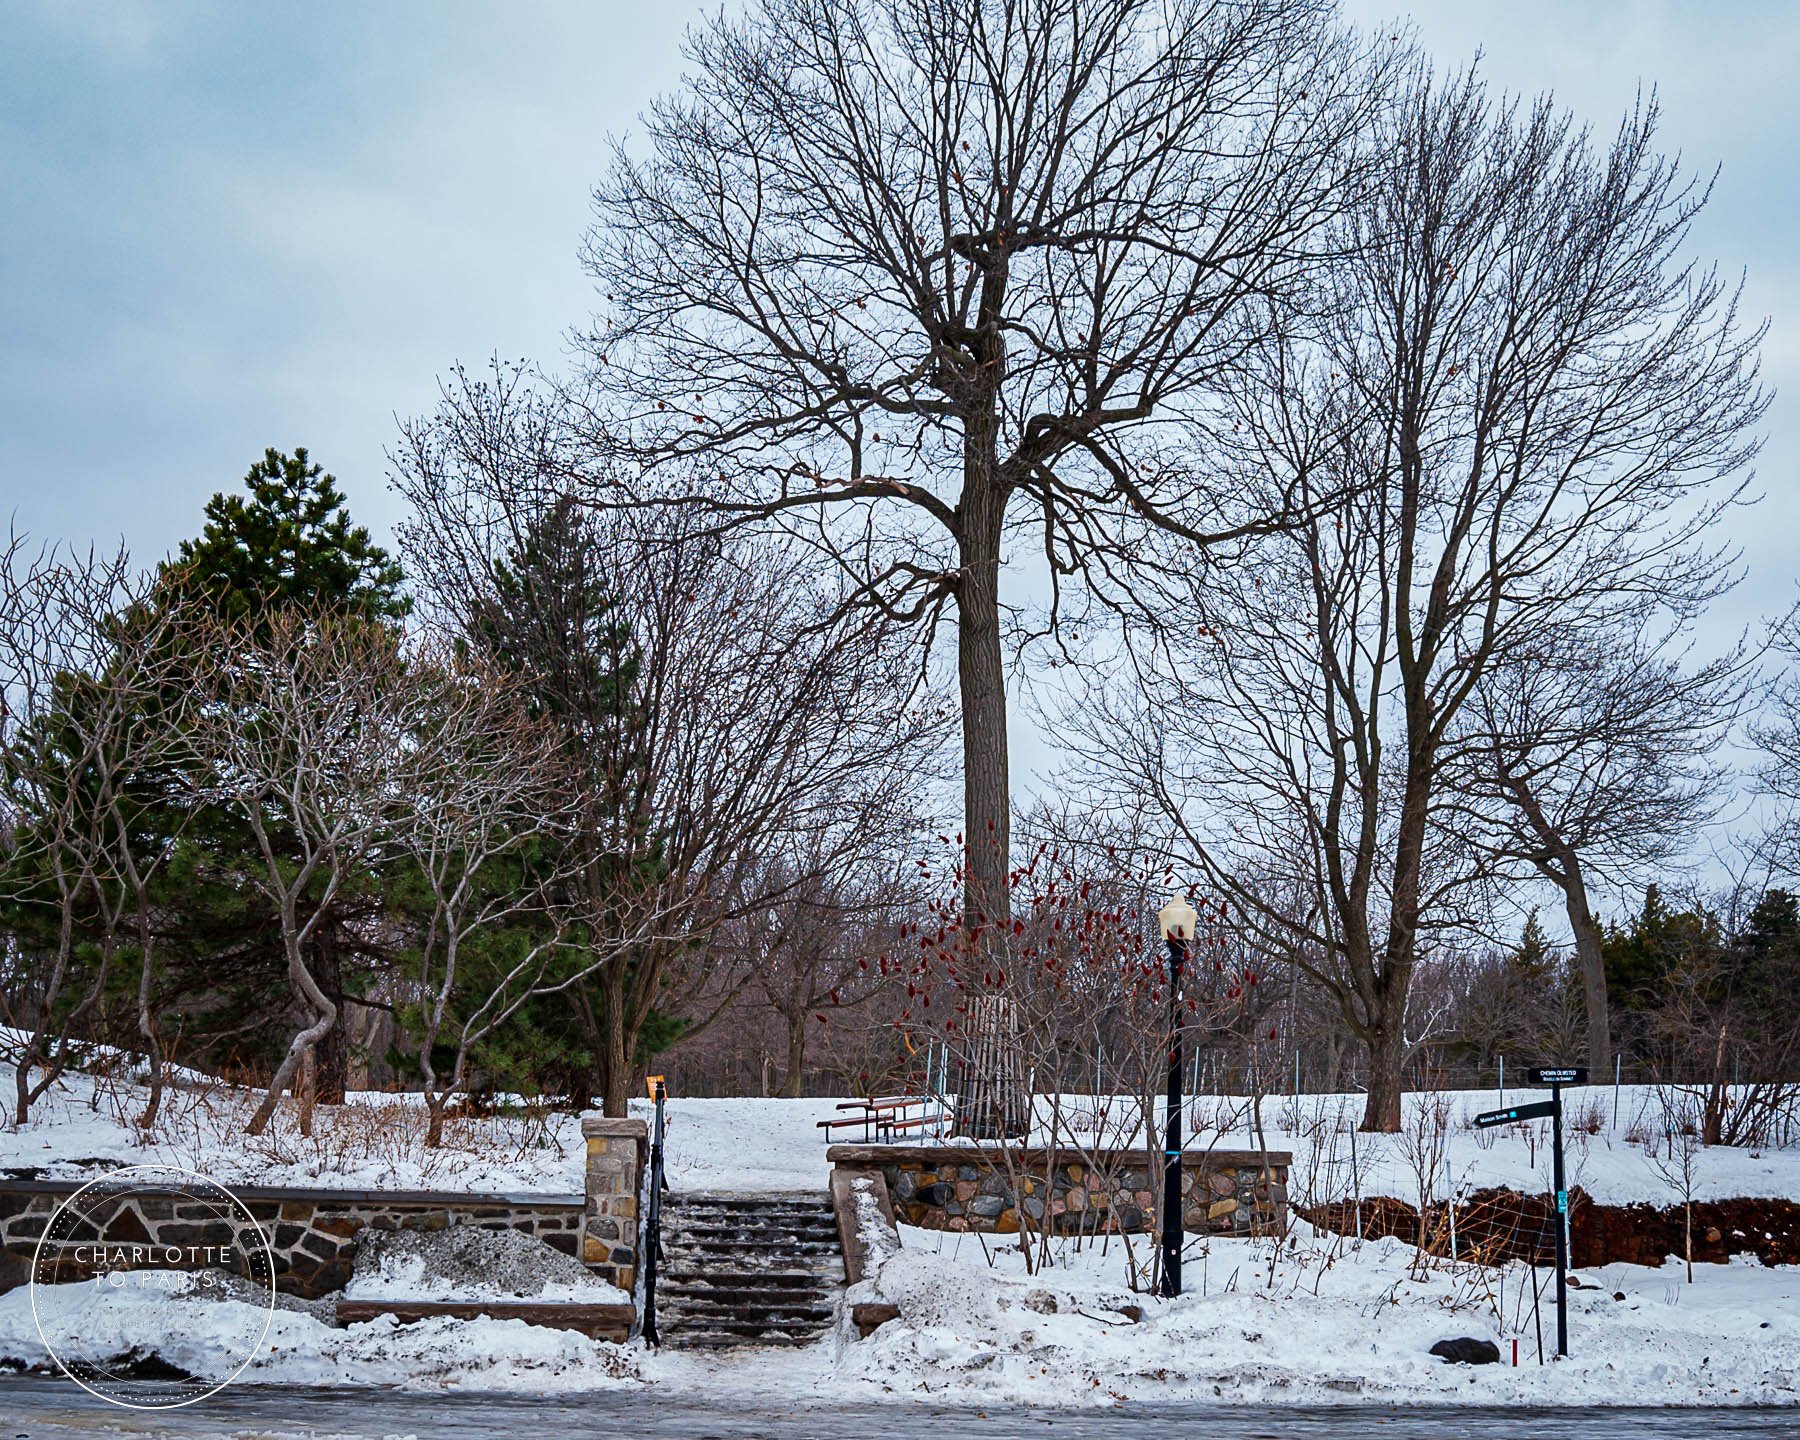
x=46, y=1409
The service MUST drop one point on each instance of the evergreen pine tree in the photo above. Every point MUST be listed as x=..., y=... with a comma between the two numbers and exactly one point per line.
x=288, y=540
x=551, y=614
x=1534, y=957
x=284, y=541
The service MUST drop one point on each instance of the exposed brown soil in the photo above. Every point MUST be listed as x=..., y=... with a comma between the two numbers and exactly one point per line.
x=1497, y=1225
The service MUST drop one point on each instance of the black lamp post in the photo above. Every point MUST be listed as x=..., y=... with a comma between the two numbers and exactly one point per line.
x=1177, y=919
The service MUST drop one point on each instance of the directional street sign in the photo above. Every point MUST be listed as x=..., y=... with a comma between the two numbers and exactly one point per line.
x=1555, y=1076
x=1542, y=1110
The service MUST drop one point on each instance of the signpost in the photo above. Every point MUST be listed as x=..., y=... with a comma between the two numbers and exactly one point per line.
x=1555, y=1077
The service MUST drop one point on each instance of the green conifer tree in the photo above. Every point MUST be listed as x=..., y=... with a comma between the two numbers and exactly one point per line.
x=288, y=541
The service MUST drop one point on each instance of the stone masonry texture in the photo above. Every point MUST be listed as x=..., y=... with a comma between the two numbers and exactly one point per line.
x=615, y=1166
x=956, y=1187
x=312, y=1233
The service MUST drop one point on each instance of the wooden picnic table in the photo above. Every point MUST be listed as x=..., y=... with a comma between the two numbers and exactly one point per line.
x=883, y=1115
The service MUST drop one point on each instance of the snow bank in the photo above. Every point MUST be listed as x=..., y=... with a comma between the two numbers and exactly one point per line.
x=374, y=1141
x=1328, y=1320
x=204, y=1338
x=1332, y=1322
x=465, y=1263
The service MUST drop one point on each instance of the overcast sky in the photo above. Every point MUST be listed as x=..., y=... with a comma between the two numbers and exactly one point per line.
x=228, y=226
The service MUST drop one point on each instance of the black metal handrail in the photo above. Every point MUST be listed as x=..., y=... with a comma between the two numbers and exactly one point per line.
x=652, y=1232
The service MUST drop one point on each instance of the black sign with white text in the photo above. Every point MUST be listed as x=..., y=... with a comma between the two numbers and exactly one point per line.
x=1542, y=1110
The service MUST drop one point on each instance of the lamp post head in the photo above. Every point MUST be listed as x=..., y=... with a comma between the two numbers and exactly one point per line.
x=1178, y=919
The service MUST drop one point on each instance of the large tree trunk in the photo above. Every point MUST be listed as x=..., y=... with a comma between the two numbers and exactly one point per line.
x=616, y=1098
x=1387, y=1063
x=1390, y=984
x=1591, y=959
x=987, y=794
x=615, y=1044
x=331, y=1057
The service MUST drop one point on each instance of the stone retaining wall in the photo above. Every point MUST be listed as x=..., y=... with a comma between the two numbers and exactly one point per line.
x=968, y=1187
x=311, y=1232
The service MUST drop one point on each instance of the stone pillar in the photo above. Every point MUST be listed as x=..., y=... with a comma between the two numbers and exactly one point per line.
x=615, y=1166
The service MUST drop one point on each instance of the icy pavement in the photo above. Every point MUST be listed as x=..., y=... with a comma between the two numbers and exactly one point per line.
x=42, y=1409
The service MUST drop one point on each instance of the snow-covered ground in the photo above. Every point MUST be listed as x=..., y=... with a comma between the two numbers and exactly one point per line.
x=1319, y=1318
x=465, y=1263
x=1323, y=1319
x=206, y=1338
x=755, y=1144
x=1331, y=1322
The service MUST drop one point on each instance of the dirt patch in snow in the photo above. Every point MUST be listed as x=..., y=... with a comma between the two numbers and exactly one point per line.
x=1501, y=1225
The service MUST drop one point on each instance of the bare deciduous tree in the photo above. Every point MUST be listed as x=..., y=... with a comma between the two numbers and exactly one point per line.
x=1600, y=746
x=303, y=728
x=717, y=704
x=481, y=787
x=813, y=954
x=1673, y=1151
x=926, y=283
x=89, y=732
x=1518, y=404
x=1777, y=735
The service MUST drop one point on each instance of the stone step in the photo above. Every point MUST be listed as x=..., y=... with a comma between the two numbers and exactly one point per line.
x=743, y=1223
x=812, y=1287
x=741, y=1279
x=735, y=1340
x=751, y=1235
x=703, y=1252
x=747, y=1239
x=748, y=1270
x=702, y=1317
x=752, y=1225
x=770, y=1279
x=720, y=1244
x=746, y=1205
x=742, y=1325
x=746, y=1307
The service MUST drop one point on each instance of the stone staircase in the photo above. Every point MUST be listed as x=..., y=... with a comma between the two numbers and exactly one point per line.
x=747, y=1270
